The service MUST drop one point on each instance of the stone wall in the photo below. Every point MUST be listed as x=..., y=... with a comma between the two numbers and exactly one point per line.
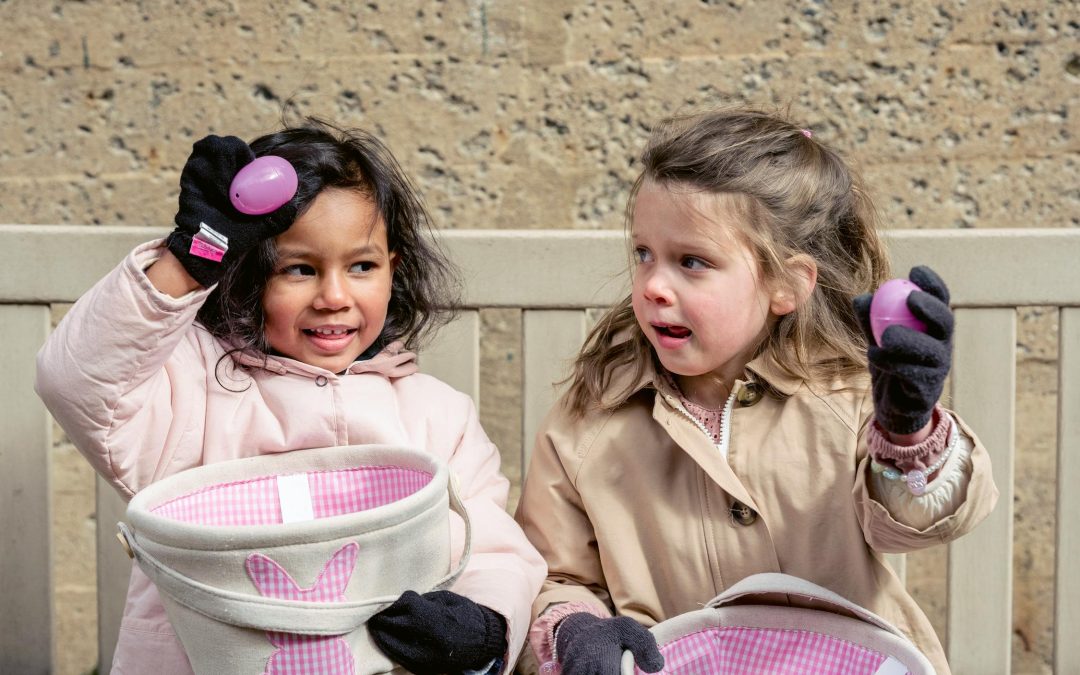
x=529, y=115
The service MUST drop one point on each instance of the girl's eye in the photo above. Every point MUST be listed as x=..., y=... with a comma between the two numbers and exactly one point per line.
x=365, y=266
x=692, y=263
x=298, y=270
x=642, y=255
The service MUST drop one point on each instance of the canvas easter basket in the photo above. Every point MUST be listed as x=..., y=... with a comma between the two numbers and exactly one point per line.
x=273, y=564
x=842, y=638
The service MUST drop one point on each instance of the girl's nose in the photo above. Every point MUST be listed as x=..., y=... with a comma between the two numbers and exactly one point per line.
x=656, y=288
x=333, y=292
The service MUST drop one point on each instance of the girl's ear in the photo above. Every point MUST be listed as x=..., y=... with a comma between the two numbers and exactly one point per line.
x=788, y=296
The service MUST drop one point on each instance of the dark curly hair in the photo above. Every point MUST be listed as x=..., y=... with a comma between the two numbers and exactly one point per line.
x=426, y=285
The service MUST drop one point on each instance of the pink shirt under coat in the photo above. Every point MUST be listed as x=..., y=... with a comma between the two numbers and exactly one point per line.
x=130, y=377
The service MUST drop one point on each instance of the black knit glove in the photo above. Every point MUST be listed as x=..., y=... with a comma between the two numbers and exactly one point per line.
x=589, y=645
x=204, y=198
x=439, y=632
x=908, y=369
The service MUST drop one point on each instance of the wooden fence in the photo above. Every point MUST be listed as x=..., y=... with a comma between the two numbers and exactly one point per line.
x=554, y=277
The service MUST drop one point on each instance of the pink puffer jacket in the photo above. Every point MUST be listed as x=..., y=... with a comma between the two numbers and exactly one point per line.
x=143, y=392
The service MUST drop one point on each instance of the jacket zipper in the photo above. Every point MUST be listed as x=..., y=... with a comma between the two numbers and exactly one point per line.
x=725, y=417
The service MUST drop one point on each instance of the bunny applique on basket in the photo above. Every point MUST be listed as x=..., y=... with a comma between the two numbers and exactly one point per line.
x=273, y=564
x=729, y=637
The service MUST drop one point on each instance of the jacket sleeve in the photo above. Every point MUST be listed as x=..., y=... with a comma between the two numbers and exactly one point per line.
x=894, y=521
x=555, y=519
x=122, y=375
x=943, y=495
x=504, y=571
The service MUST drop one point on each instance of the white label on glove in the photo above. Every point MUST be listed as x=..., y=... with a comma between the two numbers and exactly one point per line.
x=295, y=498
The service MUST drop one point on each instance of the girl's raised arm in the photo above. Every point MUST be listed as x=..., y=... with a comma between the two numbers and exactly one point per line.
x=124, y=373
x=169, y=276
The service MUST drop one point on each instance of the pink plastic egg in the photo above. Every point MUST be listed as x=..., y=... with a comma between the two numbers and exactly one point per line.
x=263, y=185
x=889, y=307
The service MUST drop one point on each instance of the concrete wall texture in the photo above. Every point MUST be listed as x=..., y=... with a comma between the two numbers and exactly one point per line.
x=961, y=113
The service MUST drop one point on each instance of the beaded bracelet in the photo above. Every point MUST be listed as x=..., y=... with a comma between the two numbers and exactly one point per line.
x=916, y=479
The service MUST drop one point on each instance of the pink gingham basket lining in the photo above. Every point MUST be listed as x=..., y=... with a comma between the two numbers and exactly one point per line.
x=334, y=492
x=773, y=651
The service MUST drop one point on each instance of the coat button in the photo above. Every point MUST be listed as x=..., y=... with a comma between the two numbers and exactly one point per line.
x=742, y=514
x=321, y=381
x=749, y=394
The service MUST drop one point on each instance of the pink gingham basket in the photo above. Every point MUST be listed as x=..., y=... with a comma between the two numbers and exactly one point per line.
x=272, y=565
x=726, y=639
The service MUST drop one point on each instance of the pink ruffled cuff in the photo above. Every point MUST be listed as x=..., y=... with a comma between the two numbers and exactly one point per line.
x=542, y=632
x=908, y=457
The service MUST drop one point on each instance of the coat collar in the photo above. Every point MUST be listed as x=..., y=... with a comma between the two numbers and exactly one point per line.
x=392, y=362
x=761, y=369
x=768, y=372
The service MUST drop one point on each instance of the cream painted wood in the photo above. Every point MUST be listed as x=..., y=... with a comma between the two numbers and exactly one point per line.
x=113, y=569
x=898, y=561
x=579, y=269
x=980, y=563
x=994, y=268
x=57, y=263
x=989, y=272
x=540, y=268
x=26, y=633
x=454, y=354
x=551, y=339
x=1067, y=595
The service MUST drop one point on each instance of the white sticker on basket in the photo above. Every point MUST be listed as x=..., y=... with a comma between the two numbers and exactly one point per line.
x=295, y=497
x=891, y=667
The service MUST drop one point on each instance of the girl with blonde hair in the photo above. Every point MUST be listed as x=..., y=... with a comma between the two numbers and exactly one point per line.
x=720, y=421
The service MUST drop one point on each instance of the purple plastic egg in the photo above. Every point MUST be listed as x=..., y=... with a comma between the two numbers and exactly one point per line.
x=889, y=307
x=263, y=185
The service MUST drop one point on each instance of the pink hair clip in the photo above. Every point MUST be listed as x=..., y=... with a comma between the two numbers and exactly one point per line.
x=807, y=133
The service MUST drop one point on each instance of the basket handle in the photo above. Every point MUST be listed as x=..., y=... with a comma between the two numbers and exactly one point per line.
x=775, y=582
x=272, y=614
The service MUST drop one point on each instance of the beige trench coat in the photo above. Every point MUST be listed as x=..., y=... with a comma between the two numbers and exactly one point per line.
x=633, y=509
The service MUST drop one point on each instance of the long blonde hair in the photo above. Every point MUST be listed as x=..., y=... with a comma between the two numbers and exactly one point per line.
x=794, y=196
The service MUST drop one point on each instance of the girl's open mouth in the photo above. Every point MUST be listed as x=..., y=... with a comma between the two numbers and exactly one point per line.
x=671, y=337
x=677, y=332
x=329, y=339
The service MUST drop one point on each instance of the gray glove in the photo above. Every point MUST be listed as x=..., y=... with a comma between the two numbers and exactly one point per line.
x=589, y=645
x=908, y=370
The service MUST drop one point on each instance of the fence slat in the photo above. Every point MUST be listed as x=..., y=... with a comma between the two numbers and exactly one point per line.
x=980, y=564
x=898, y=561
x=26, y=635
x=1067, y=596
x=454, y=355
x=551, y=339
x=113, y=571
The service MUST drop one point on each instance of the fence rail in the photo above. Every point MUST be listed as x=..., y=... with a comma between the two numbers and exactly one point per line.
x=554, y=277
